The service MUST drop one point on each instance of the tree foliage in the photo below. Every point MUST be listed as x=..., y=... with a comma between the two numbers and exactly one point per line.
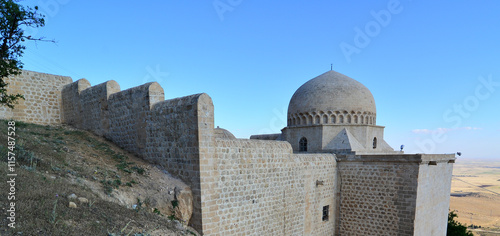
x=14, y=18
x=455, y=228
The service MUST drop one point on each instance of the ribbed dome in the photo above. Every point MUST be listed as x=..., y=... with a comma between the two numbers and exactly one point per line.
x=332, y=98
x=223, y=133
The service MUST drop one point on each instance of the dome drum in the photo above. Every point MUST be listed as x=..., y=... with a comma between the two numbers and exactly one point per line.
x=331, y=118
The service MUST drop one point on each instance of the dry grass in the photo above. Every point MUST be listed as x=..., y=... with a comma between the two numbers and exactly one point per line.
x=51, y=164
x=479, y=183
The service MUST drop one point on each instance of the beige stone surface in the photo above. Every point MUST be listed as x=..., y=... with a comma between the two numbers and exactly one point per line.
x=261, y=187
x=184, y=209
x=42, y=93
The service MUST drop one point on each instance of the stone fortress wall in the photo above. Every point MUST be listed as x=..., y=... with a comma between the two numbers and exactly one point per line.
x=394, y=194
x=239, y=186
x=262, y=188
x=368, y=188
x=139, y=120
x=42, y=93
x=251, y=187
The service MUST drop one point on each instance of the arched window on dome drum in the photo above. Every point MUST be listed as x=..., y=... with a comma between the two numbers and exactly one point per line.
x=334, y=119
x=374, y=142
x=355, y=119
x=317, y=119
x=341, y=119
x=348, y=119
x=366, y=120
x=325, y=119
x=303, y=145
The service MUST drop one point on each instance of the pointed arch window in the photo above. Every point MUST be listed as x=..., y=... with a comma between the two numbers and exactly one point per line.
x=374, y=142
x=303, y=145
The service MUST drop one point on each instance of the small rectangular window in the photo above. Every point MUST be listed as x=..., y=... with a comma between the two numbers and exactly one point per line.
x=326, y=210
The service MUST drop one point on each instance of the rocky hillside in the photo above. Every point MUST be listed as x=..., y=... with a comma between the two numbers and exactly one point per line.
x=65, y=181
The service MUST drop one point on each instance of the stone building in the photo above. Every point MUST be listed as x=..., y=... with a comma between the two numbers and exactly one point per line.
x=333, y=113
x=329, y=172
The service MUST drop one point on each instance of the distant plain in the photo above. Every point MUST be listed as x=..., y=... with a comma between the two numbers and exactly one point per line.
x=475, y=194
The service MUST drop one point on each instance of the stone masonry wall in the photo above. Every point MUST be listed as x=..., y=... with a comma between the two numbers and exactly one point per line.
x=323, y=168
x=129, y=114
x=120, y=116
x=378, y=197
x=174, y=140
x=72, y=107
x=433, y=196
x=206, y=138
x=262, y=188
x=94, y=101
x=42, y=92
x=139, y=120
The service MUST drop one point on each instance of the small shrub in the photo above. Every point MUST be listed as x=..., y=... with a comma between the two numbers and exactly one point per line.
x=117, y=183
x=124, y=166
x=455, y=228
x=157, y=211
x=119, y=157
x=139, y=170
x=109, y=185
x=175, y=203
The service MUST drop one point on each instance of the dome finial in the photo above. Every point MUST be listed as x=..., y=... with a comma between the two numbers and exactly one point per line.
x=331, y=66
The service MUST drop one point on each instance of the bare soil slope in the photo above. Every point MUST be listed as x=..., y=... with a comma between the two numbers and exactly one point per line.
x=121, y=191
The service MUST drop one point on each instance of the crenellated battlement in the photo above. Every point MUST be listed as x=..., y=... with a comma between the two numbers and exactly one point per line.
x=140, y=120
x=94, y=108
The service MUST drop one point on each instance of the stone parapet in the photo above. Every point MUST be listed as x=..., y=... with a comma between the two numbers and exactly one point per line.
x=43, y=98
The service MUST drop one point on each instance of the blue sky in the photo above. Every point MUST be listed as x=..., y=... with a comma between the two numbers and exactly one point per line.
x=433, y=67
